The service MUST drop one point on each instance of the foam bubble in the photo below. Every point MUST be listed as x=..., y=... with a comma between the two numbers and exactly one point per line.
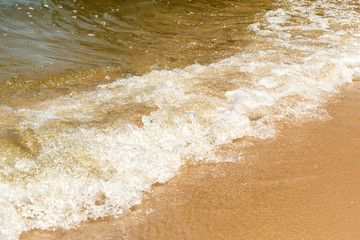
x=94, y=154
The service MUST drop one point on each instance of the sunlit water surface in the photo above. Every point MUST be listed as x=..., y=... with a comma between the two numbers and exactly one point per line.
x=102, y=99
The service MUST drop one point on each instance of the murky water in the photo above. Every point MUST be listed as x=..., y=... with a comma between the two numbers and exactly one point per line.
x=45, y=44
x=100, y=100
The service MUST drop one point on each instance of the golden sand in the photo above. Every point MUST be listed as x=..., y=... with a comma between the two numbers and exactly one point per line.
x=302, y=184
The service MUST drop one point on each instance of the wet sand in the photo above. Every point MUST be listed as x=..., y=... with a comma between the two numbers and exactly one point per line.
x=302, y=184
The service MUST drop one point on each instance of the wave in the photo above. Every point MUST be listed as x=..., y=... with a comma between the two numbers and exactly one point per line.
x=40, y=38
x=93, y=154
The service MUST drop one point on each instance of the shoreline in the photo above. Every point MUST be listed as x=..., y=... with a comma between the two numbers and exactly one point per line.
x=301, y=184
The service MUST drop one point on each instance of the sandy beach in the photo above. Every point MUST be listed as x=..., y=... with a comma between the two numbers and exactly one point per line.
x=302, y=184
x=179, y=119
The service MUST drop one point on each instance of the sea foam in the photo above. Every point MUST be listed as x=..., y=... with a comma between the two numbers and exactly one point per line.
x=94, y=154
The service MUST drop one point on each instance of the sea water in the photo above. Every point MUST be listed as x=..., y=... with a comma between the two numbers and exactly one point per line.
x=99, y=102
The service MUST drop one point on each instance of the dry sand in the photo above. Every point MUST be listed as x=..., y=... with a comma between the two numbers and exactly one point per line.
x=302, y=184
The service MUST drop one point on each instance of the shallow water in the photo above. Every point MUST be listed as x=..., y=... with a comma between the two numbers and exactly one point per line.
x=99, y=102
x=45, y=38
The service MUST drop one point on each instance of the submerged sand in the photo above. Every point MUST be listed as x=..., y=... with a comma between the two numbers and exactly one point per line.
x=302, y=184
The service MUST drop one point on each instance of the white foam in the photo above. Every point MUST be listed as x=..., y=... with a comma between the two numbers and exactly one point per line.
x=82, y=170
